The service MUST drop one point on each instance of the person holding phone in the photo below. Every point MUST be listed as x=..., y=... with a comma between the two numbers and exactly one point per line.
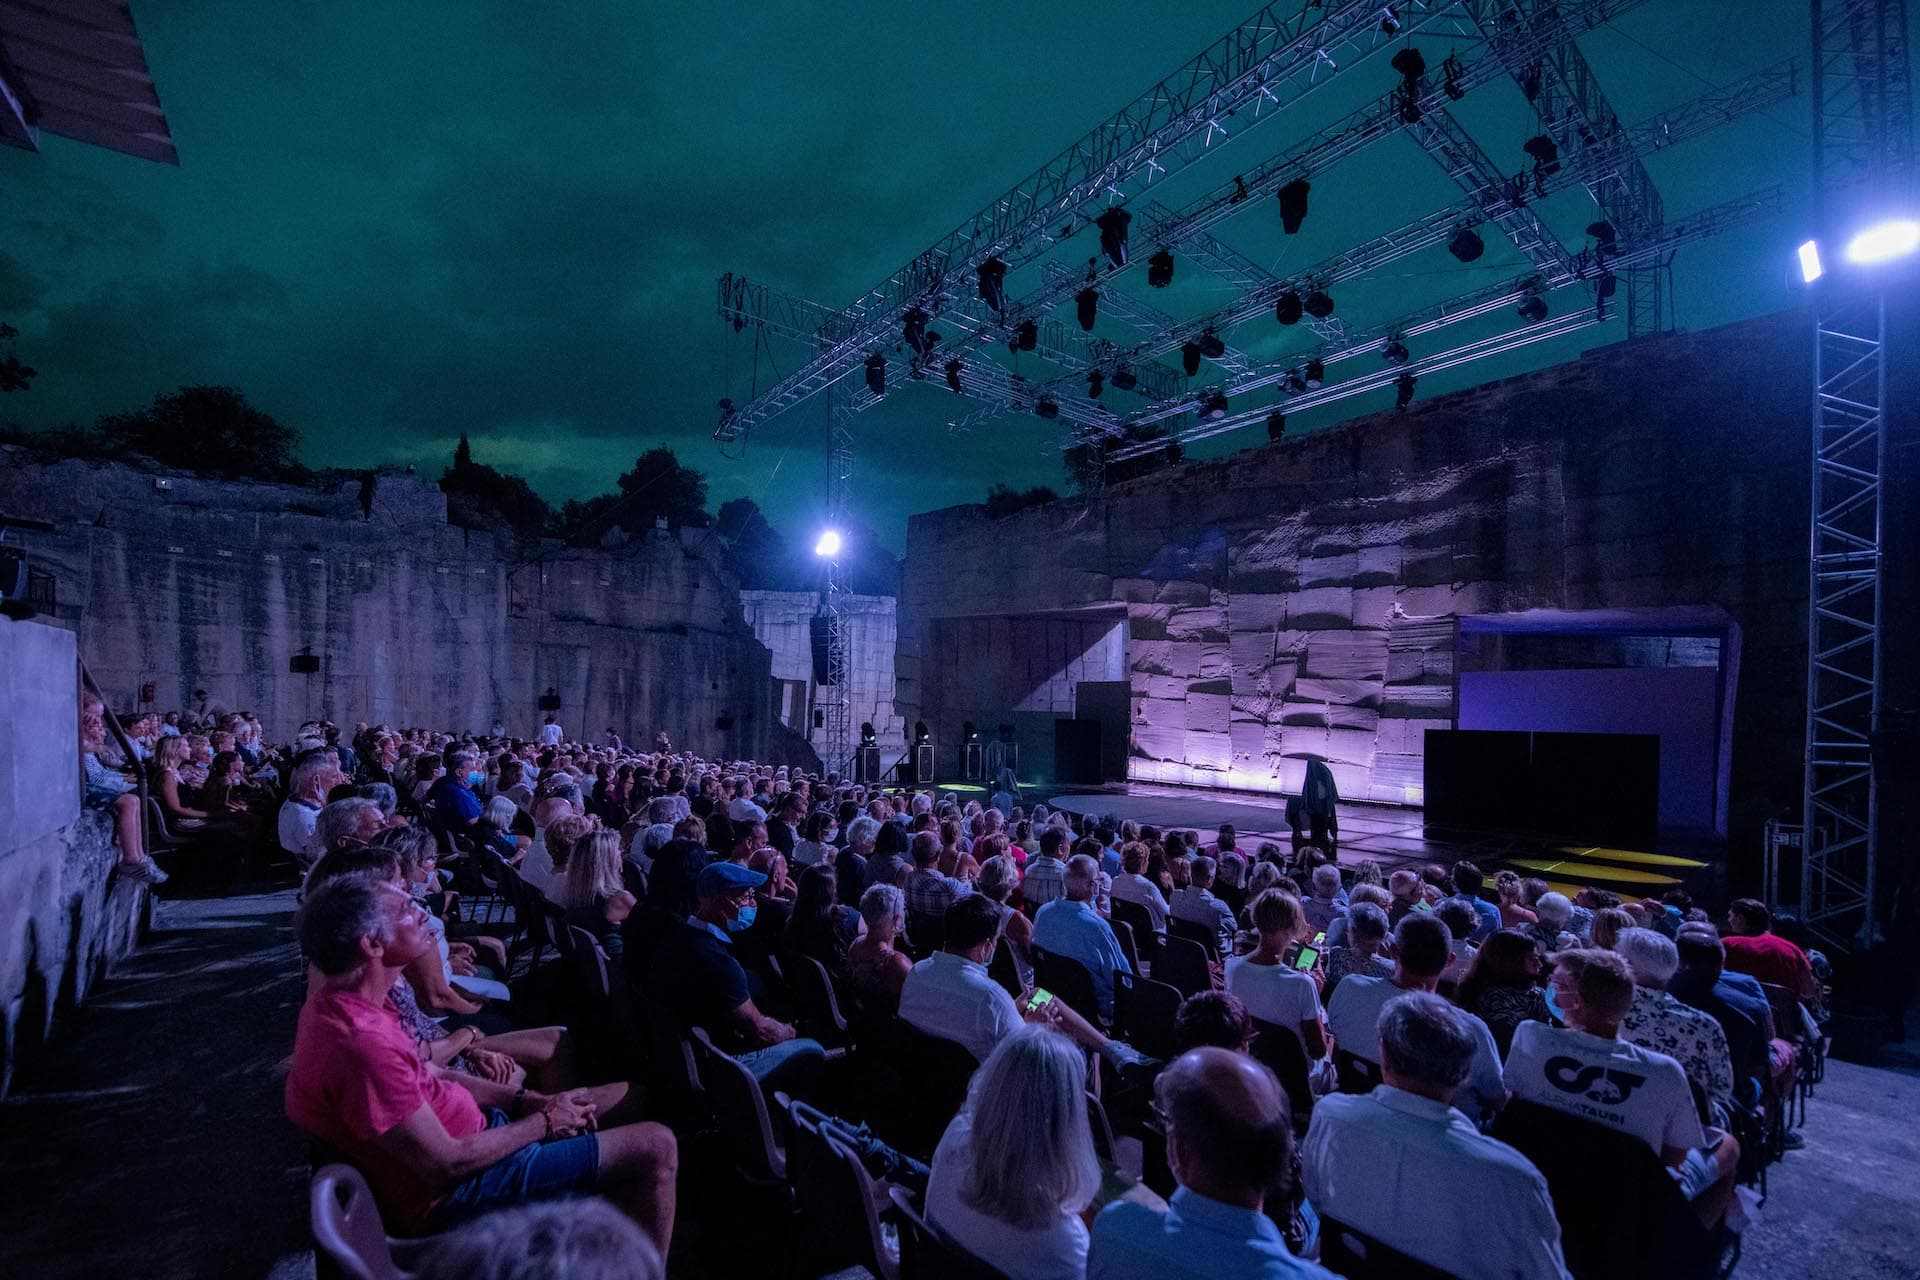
x=1280, y=980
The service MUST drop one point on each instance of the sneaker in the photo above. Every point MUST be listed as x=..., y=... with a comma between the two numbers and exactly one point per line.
x=145, y=871
x=1794, y=1140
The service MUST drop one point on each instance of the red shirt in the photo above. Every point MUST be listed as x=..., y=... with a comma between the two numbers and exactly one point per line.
x=356, y=1075
x=1770, y=958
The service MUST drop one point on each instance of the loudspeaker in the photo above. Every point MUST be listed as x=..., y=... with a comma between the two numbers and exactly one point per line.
x=923, y=763
x=866, y=764
x=817, y=632
x=549, y=701
x=304, y=664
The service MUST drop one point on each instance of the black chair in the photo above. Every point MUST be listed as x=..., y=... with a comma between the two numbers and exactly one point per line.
x=926, y=1253
x=1205, y=934
x=1146, y=940
x=1280, y=1048
x=1620, y=1211
x=1102, y=1130
x=1183, y=965
x=1143, y=1013
x=814, y=999
x=674, y=1088
x=1354, y=1073
x=1123, y=934
x=934, y=1073
x=1068, y=980
x=839, y=1204
x=1003, y=969
x=740, y=1109
x=1358, y=1256
x=609, y=1041
x=926, y=933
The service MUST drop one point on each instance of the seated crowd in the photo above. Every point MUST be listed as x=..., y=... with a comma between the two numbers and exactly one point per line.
x=1335, y=1053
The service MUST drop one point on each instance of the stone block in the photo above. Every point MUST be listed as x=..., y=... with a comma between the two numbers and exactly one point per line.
x=1347, y=655
x=1183, y=593
x=1344, y=692
x=1208, y=712
x=1208, y=622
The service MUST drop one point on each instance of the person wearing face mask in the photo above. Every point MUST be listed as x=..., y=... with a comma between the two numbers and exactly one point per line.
x=450, y=803
x=711, y=990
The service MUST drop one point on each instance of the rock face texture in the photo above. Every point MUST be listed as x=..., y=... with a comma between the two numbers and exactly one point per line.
x=781, y=620
x=189, y=584
x=1301, y=598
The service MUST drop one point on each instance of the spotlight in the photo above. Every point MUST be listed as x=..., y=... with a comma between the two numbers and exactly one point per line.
x=868, y=737
x=1410, y=63
x=1885, y=242
x=877, y=374
x=1409, y=103
x=1213, y=406
x=1466, y=244
x=1293, y=384
x=1276, y=426
x=1087, y=307
x=1293, y=205
x=1027, y=336
x=828, y=545
x=1389, y=21
x=1606, y=286
x=1047, y=407
x=968, y=732
x=1530, y=82
x=913, y=331
x=1190, y=357
x=993, y=284
x=1395, y=352
x=1545, y=152
x=1287, y=310
x=1095, y=385
x=1160, y=270
x=1210, y=345
x=1451, y=69
x=1602, y=233
x=1240, y=191
x=1810, y=266
x=1533, y=308
x=1314, y=373
x=921, y=734
x=1403, y=391
x=953, y=376
x=1124, y=378
x=1113, y=235
x=726, y=409
x=1318, y=305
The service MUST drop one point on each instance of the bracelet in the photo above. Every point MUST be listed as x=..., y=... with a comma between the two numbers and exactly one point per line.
x=520, y=1102
x=546, y=1116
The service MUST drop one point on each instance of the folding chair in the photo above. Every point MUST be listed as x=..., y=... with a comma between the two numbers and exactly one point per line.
x=1358, y=1256
x=1145, y=940
x=1354, y=1073
x=839, y=1203
x=1183, y=964
x=927, y=1253
x=1280, y=1048
x=1069, y=980
x=1143, y=1013
x=740, y=1109
x=347, y=1229
x=1205, y=934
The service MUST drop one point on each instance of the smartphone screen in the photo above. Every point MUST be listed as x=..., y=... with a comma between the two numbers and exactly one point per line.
x=1320, y=938
x=1305, y=960
x=1040, y=999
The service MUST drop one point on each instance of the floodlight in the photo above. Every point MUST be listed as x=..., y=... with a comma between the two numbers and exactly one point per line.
x=1545, y=152
x=1047, y=407
x=1389, y=21
x=1314, y=373
x=1160, y=270
x=1603, y=233
x=1319, y=305
x=1533, y=308
x=953, y=376
x=1410, y=63
x=1466, y=244
x=1113, y=235
x=1884, y=242
x=1395, y=352
x=1125, y=379
x=1276, y=425
x=1087, y=307
x=1026, y=337
x=1287, y=309
x=829, y=543
x=1293, y=205
x=1213, y=406
x=1403, y=391
x=877, y=374
x=993, y=283
x=1190, y=357
x=1293, y=384
x=1810, y=267
x=1095, y=385
x=1211, y=346
x=913, y=331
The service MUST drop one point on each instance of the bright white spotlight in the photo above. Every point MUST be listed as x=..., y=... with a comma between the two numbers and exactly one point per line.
x=1894, y=239
x=829, y=544
x=1810, y=268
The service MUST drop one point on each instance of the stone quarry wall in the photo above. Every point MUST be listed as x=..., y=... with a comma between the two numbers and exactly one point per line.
x=188, y=583
x=780, y=620
x=1301, y=598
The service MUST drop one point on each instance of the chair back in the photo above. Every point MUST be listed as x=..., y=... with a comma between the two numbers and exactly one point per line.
x=1123, y=934
x=740, y=1109
x=1280, y=1048
x=1101, y=1129
x=1069, y=980
x=1358, y=1256
x=673, y=1079
x=603, y=1026
x=1205, y=934
x=839, y=1209
x=937, y=1072
x=927, y=931
x=1354, y=1073
x=927, y=1253
x=1137, y=918
x=1789, y=1015
x=814, y=999
x=1183, y=965
x=1004, y=969
x=1143, y=1013
x=346, y=1225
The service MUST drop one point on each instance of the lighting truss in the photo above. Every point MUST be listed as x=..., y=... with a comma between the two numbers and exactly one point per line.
x=836, y=701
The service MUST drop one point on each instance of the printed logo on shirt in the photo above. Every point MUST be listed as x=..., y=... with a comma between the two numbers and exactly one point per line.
x=1604, y=1085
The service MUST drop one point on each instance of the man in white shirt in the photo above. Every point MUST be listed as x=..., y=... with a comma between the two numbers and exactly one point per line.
x=1399, y=1164
x=1197, y=905
x=1589, y=1071
x=551, y=734
x=1421, y=947
x=314, y=775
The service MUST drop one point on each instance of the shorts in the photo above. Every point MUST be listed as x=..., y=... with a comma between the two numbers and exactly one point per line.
x=537, y=1171
x=1697, y=1172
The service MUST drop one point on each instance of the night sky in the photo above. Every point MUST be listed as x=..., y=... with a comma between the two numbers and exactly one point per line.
x=396, y=222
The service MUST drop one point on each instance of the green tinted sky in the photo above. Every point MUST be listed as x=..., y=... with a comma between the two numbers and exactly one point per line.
x=394, y=222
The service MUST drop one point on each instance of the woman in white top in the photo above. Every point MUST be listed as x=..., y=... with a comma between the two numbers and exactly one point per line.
x=1133, y=886
x=1273, y=990
x=1016, y=1167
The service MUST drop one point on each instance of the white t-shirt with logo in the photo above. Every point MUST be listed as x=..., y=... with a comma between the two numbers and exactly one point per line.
x=1611, y=1082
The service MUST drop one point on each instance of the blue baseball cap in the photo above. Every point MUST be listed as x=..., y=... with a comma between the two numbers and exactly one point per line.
x=718, y=878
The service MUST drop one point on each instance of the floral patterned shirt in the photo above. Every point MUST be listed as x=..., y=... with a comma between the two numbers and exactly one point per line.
x=1662, y=1023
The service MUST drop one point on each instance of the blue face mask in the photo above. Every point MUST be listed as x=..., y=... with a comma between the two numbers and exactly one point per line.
x=475, y=778
x=743, y=921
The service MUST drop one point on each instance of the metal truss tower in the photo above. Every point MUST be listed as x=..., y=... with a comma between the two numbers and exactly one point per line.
x=836, y=695
x=1862, y=162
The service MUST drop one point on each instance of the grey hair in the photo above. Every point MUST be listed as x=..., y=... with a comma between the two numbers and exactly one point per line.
x=1031, y=1154
x=501, y=811
x=1233, y=869
x=881, y=903
x=1264, y=876
x=1553, y=909
x=340, y=818
x=862, y=830
x=585, y=1239
x=335, y=917
x=1202, y=872
x=1083, y=876
x=381, y=794
x=1326, y=876
x=1649, y=954
x=1427, y=1039
x=1364, y=920
x=307, y=771
x=462, y=761
x=998, y=877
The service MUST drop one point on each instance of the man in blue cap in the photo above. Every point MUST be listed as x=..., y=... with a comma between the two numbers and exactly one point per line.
x=698, y=976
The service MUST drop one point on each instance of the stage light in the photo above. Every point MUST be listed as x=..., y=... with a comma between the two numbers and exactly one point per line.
x=1125, y=379
x=1403, y=391
x=913, y=331
x=1287, y=309
x=1047, y=407
x=1466, y=244
x=1160, y=270
x=1885, y=242
x=1603, y=233
x=877, y=374
x=968, y=732
x=1389, y=21
x=1314, y=374
x=1210, y=345
x=1395, y=352
x=1026, y=337
x=1319, y=305
x=1451, y=69
x=1810, y=267
x=1087, y=307
x=1533, y=308
x=1213, y=406
x=1293, y=384
x=993, y=284
x=1545, y=152
x=1190, y=357
x=1293, y=205
x=1409, y=103
x=828, y=545
x=953, y=376
x=868, y=738
x=921, y=734
x=1276, y=426
x=1410, y=63
x=726, y=410
x=1095, y=385
x=1113, y=235
x=1606, y=285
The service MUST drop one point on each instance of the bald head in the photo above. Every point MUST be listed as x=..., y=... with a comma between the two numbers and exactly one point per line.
x=1230, y=1131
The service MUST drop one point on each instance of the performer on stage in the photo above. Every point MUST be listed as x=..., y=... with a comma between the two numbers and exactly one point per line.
x=1314, y=807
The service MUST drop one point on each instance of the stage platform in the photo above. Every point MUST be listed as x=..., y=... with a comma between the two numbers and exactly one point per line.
x=1397, y=836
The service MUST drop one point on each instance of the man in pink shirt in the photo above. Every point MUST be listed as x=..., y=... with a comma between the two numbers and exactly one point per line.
x=437, y=1146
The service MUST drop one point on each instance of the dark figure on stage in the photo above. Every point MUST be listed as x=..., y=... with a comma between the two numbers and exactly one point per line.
x=1314, y=808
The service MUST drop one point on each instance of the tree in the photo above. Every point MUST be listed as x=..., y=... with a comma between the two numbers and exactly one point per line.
x=480, y=497
x=206, y=428
x=14, y=376
x=757, y=553
x=1003, y=501
x=656, y=487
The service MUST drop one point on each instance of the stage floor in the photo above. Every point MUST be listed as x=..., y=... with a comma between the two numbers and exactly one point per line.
x=1396, y=836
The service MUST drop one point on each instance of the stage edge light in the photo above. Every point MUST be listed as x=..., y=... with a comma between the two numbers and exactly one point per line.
x=829, y=544
x=1810, y=268
x=1880, y=243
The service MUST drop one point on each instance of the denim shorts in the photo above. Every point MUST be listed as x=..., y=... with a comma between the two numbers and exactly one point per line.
x=537, y=1171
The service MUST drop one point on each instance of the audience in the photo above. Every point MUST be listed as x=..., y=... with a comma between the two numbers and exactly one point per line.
x=1071, y=928
x=1661, y=1022
x=1753, y=949
x=1266, y=981
x=1133, y=885
x=1046, y=871
x=1198, y=905
x=1501, y=987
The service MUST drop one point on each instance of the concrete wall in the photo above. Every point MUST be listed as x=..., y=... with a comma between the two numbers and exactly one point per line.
x=1300, y=598
x=60, y=928
x=780, y=621
x=215, y=585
